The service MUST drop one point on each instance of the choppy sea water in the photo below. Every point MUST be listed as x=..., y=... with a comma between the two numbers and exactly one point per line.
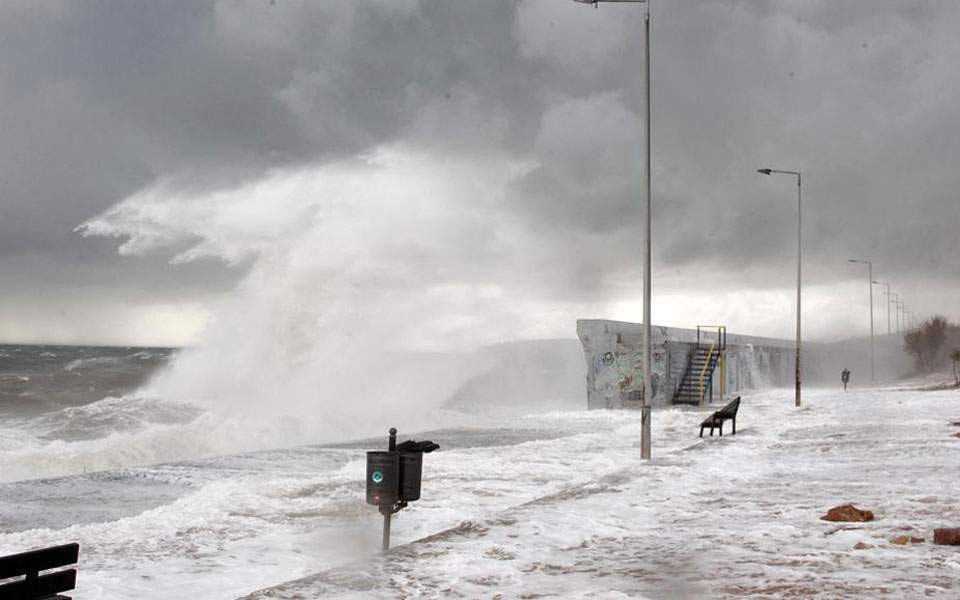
x=161, y=511
x=72, y=410
x=37, y=380
x=69, y=409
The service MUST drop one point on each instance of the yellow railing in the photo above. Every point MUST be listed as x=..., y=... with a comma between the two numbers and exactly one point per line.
x=706, y=365
x=719, y=346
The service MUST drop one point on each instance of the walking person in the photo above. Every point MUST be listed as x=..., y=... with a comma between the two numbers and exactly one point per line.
x=845, y=378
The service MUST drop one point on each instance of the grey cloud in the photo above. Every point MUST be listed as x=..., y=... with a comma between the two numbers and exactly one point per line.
x=104, y=98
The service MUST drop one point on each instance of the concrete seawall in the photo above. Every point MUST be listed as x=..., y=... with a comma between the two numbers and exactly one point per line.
x=613, y=353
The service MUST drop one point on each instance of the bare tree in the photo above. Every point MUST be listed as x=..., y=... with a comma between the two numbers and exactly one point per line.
x=925, y=342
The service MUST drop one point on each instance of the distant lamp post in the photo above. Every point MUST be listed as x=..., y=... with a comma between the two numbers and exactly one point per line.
x=896, y=308
x=645, y=412
x=870, y=284
x=799, y=256
x=887, y=293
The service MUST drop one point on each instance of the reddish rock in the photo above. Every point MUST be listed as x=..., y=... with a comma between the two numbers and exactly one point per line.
x=947, y=536
x=902, y=540
x=847, y=512
x=861, y=546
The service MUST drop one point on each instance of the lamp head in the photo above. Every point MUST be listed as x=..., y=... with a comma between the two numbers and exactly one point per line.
x=764, y=171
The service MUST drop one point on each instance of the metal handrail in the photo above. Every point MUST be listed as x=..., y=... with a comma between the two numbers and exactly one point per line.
x=703, y=371
x=721, y=334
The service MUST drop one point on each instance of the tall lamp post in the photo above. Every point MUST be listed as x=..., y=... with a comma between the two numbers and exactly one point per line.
x=870, y=283
x=799, y=255
x=887, y=293
x=896, y=308
x=647, y=399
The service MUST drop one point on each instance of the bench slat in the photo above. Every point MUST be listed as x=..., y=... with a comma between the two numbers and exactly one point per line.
x=46, y=585
x=38, y=560
x=730, y=410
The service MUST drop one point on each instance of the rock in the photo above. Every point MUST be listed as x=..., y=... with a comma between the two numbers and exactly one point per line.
x=861, y=546
x=903, y=540
x=847, y=512
x=947, y=536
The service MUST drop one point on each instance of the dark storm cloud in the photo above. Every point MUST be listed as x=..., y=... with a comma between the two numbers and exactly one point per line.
x=100, y=99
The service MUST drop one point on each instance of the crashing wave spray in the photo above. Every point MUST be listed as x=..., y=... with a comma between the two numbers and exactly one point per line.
x=756, y=367
x=369, y=282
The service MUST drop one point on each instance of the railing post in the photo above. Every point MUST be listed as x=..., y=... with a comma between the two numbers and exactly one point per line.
x=723, y=375
x=703, y=372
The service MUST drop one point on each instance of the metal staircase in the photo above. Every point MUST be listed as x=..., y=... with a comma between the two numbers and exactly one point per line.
x=697, y=380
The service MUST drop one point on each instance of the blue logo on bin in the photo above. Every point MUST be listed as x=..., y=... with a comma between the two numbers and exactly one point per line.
x=377, y=477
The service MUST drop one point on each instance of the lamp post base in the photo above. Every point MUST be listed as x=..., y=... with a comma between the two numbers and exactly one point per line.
x=645, y=412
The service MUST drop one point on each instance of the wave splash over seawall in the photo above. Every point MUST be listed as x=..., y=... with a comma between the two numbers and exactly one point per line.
x=368, y=286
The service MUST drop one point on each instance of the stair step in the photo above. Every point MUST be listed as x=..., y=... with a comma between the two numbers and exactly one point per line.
x=695, y=383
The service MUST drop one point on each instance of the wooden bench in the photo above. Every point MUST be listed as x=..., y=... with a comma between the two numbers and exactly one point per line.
x=716, y=419
x=35, y=586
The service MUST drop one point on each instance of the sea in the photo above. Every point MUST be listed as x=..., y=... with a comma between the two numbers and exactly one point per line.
x=170, y=499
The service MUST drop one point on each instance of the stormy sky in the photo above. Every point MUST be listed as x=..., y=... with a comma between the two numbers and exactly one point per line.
x=149, y=147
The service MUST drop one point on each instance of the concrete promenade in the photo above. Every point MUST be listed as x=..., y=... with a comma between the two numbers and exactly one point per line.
x=714, y=518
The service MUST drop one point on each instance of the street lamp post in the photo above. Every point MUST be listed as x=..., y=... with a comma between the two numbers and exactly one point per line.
x=896, y=308
x=799, y=255
x=887, y=293
x=647, y=399
x=869, y=264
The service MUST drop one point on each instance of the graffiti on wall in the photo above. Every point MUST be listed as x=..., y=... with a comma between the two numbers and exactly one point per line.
x=623, y=372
